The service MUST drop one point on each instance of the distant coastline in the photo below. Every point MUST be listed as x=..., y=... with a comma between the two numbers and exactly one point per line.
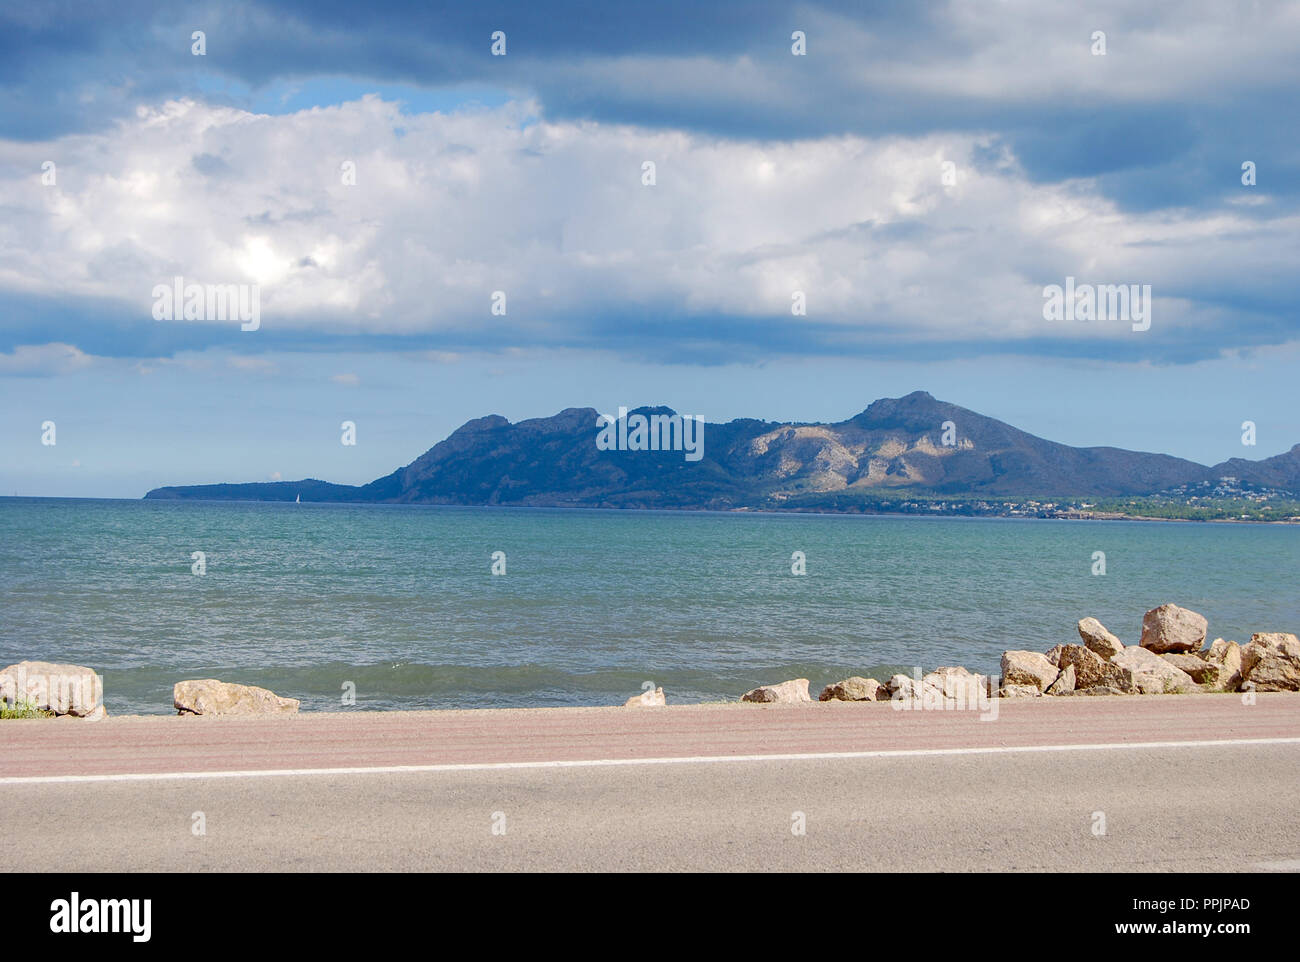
x=1221, y=512
x=778, y=511
x=913, y=455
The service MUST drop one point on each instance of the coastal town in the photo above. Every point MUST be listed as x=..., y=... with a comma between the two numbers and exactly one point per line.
x=1224, y=499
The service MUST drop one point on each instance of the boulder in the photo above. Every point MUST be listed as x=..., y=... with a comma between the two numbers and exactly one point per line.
x=1090, y=669
x=58, y=688
x=1202, y=672
x=1027, y=668
x=1019, y=691
x=1274, y=639
x=1170, y=628
x=207, y=696
x=958, y=684
x=788, y=691
x=1271, y=662
x=1054, y=655
x=1147, y=673
x=1064, y=682
x=647, y=699
x=1227, y=655
x=1098, y=639
x=855, y=688
x=905, y=688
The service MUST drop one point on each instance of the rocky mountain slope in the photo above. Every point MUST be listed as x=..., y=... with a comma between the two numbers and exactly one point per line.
x=897, y=445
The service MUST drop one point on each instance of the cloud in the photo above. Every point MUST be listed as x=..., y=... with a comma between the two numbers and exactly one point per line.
x=44, y=360
x=776, y=173
x=448, y=209
x=1184, y=87
x=347, y=380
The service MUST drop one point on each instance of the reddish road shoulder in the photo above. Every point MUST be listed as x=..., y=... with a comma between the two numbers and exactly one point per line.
x=170, y=744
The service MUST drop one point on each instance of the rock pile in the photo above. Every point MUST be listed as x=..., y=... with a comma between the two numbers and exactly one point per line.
x=1168, y=659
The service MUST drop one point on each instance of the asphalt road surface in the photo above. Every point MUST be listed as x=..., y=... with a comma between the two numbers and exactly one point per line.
x=1158, y=783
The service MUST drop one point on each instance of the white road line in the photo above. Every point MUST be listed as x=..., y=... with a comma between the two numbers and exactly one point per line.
x=617, y=762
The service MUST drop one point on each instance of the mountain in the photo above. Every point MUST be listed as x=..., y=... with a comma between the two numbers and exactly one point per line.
x=895, y=448
x=1279, y=471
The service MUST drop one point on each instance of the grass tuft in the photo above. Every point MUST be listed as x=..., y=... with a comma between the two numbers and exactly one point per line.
x=24, y=709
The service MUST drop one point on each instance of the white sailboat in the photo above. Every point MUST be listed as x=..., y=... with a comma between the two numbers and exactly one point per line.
x=298, y=500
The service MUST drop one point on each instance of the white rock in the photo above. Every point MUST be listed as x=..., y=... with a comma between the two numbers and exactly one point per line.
x=1227, y=655
x=647, y=699
x=207, y=696
x=1150, y=674
x=1064, y=683
x=1271, y=662
x=1027, y=668
x=1170, y=628
x=59, y=688
x=855, y=688
x=795, y=690
x=1098, y=639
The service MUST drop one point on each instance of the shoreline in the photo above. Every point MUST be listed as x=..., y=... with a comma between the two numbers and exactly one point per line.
x=739, y=707
x=1171, y=658
x=776, y=512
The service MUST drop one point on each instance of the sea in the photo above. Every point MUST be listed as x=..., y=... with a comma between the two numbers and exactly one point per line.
x=380, y=607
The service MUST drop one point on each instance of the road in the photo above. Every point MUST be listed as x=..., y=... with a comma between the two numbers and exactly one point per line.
x=1166, y=783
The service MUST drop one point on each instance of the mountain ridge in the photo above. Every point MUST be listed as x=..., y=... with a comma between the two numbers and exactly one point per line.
x=913, y=444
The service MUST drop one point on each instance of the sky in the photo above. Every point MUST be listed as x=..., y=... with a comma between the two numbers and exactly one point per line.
x=736, y=209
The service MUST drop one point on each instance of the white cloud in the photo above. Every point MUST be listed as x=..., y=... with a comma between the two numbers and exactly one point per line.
x=41, y=360
x=449, y=208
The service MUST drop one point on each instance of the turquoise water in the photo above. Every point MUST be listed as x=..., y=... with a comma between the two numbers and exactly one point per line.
x=400, y=600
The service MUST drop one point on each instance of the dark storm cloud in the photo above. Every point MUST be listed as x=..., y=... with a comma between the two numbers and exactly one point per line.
x=1022, y=71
